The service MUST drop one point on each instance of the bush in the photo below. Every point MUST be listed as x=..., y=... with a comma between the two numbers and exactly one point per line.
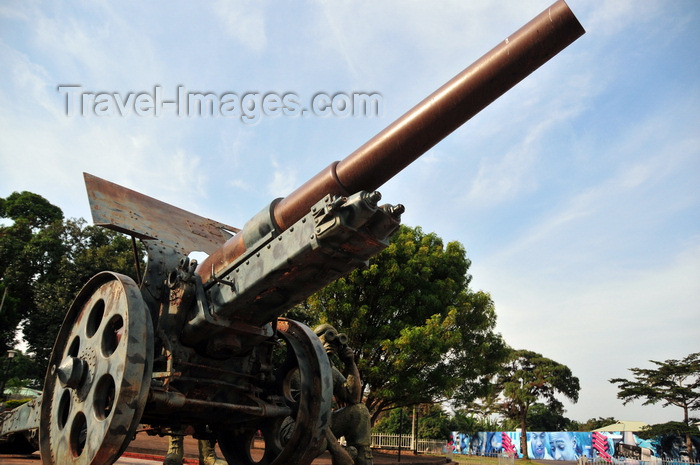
x=14, y=403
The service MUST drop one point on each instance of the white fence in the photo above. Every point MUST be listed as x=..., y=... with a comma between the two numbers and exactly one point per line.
x=506, y=459
x=623, y=461
x=423, y=446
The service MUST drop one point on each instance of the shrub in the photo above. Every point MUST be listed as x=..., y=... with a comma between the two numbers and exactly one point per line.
x=14, y=403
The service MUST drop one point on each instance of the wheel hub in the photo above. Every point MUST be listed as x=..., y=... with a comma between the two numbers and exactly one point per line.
x=72, y=372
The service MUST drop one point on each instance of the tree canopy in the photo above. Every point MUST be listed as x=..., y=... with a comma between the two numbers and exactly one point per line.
x=420, y=334
x=541, y=417
x=527, y=378
x=432, y=422
x=30, y=208
x=30, y=247
x=86, y=251
x=672, y=382
x=593, y=423
x=44, y=261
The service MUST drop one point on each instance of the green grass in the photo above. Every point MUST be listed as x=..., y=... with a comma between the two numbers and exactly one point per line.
x=477, y=460
x=474, y=459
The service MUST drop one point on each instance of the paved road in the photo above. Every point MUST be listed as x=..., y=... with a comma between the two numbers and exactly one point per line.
x=151, y=449
x=380, y=459
x=158, y=446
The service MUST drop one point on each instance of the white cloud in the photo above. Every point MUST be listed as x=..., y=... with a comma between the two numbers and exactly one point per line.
x=502, y=179
x=601, y=320
x=30, y=83
x=284, y=180
x=376, y=37
x=612, y=17
x=243, y=21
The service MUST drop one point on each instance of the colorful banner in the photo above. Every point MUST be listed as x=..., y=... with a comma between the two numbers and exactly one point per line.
x=566, y=445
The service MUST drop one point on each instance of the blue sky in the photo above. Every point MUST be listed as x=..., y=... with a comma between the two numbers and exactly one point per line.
x=576, y=195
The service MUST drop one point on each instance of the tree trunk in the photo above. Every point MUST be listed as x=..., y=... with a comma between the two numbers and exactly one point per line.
x=523, y=435
x=688, y=442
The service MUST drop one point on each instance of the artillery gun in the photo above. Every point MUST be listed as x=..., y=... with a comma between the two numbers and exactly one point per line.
x=204, y=346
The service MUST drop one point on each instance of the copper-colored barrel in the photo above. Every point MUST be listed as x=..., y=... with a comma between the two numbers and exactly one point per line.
x=426, y=124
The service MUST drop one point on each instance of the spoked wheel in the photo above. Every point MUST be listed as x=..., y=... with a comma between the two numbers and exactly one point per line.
x=303, y=381
x=99, y=374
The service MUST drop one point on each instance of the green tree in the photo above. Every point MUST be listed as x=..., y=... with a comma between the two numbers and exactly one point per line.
x=420, y=334
x=595, y=423
x=23, y=367
x=541, y=417
x=488, y=405
x=528, y=377
x=30, y=247
x=32, y=208
x=465, y=423
x=44, y=261
x=395, y=421
x=87, y=250
x=671, y=428
x=672, y=382
x=433, y=422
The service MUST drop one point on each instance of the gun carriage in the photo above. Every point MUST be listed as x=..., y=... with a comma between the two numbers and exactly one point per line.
x=205, y=345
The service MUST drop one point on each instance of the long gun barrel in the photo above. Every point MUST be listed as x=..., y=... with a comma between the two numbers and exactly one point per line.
x=193, y=341
x=330, y=225
x=426, y=124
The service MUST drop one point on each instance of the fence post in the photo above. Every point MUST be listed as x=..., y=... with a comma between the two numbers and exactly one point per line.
x=413, y=431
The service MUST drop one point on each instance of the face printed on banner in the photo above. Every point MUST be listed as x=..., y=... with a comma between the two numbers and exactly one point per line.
x=537, y=444
x=563, y=446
